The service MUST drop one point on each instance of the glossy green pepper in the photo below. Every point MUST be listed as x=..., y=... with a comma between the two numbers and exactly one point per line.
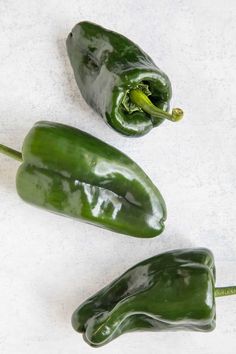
x=172, y=291
x=119, y=80
x=71, y=172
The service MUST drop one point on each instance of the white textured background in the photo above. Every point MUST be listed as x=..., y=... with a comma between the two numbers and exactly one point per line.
x=50, y=264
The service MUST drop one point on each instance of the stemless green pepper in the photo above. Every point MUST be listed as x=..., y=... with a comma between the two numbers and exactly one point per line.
x=68, y=171
x=119, y=80
x=172, y=291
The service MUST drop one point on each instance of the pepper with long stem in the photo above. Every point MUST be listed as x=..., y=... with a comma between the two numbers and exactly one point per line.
x=55, y=155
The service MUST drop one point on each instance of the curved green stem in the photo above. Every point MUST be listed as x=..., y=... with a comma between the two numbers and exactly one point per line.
x=225, y=291
x=11, y=152
x=141, y=100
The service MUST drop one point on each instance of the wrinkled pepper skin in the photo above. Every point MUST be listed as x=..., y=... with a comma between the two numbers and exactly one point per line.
x=107, y=66
x=171, y=291
x=70, y=172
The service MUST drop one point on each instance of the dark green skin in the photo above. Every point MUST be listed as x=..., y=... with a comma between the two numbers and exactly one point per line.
x=107, y=66
x=70, y=172
x=171, y=291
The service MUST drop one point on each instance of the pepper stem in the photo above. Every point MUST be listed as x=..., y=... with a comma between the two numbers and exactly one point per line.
x=141, y=100
x=11, y=152
x=225, y=291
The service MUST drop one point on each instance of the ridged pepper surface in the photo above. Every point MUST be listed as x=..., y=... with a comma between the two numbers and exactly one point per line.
x=70, y=172
x=171, y=291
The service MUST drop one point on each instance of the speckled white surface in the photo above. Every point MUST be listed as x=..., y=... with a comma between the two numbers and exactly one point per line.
x=50, y=264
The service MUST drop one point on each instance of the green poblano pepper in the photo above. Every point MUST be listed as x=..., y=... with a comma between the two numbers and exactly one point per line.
x=70, y=172
x=119, y=80
x=172, y=291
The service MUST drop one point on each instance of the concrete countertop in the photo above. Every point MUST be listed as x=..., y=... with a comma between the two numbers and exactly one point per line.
x=49, y=263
